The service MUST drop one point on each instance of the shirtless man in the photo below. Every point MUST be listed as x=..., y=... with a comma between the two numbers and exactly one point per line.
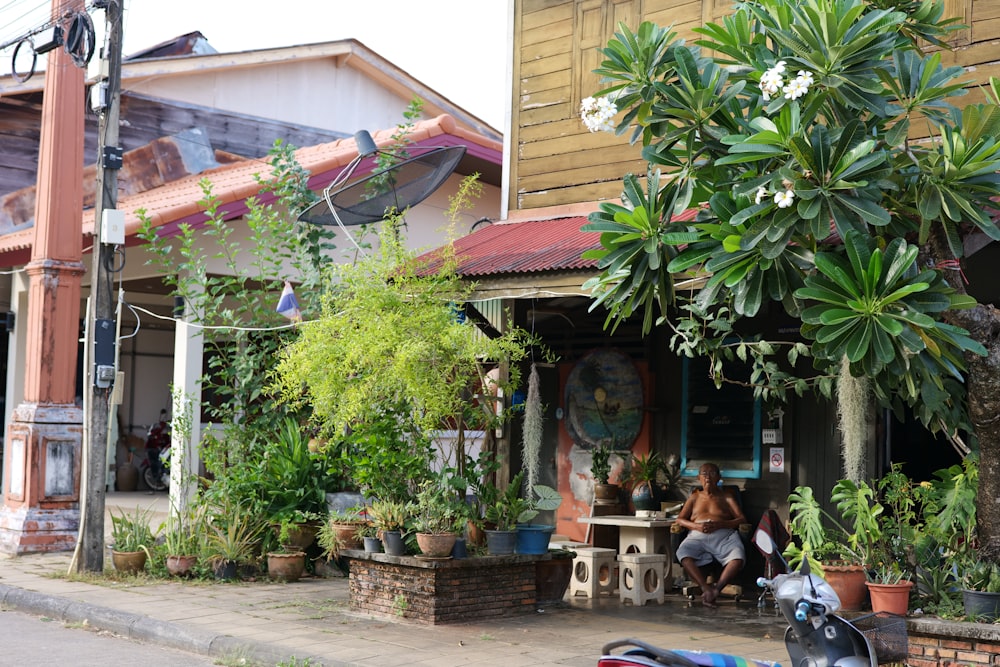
x=712, y=516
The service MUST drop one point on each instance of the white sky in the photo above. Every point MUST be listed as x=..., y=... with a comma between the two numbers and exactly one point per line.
x=457, y=47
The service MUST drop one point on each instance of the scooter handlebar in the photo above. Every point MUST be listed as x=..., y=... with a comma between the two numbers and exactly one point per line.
x=802, y=611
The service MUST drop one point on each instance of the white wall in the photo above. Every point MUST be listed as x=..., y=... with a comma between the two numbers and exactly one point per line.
x=315, y=93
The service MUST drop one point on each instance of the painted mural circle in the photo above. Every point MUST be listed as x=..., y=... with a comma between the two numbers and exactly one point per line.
x=604, y=401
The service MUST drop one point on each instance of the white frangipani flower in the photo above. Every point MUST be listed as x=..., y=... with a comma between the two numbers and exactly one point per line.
x=761, y=195
x=785, y=199
x=772, y=82
x=598, y=114
x=795, y=89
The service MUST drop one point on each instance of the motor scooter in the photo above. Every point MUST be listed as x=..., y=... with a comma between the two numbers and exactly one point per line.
x=816, y=635
x=158, y=437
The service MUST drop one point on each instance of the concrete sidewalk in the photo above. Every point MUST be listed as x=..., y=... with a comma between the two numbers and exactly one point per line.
x=268, y=623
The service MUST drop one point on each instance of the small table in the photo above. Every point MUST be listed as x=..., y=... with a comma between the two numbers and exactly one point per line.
x=639, y=534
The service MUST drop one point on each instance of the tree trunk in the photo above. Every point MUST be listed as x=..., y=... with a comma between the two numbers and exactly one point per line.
x=983, y=387
x=982, y=384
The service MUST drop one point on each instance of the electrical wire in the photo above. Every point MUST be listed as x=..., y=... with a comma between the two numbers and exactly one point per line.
x=78, y=41
x=205, y=327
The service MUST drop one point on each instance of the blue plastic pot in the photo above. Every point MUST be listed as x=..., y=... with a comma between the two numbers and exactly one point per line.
x=533, y=538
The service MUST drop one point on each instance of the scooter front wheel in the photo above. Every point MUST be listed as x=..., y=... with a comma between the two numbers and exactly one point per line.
x=154, y=481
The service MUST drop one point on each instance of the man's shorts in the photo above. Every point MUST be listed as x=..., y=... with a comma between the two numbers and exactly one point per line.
x=722, y=545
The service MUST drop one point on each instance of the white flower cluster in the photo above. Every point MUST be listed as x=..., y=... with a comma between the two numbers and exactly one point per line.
x=772, y=82
x=598, y=114
x=783, y=199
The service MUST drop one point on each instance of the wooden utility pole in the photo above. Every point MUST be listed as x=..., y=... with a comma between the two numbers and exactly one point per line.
x=101, y=331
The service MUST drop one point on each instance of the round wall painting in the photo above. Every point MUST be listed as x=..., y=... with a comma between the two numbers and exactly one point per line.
x=604, y=401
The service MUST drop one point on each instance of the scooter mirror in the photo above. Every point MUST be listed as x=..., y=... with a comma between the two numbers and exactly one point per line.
x=763, y=542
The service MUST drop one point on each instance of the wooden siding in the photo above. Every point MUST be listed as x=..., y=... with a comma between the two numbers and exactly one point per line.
x=558, y=162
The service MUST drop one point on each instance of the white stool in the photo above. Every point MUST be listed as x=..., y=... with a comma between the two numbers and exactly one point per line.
x=640, y=577
x=593, y=572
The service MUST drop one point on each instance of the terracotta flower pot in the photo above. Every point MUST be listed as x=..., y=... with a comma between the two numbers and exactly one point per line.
x=300, y=536
x=180, y=566
x=436, y=545
x=892, y=598
x=848, y=581
x=286, y=566
x=347, y=534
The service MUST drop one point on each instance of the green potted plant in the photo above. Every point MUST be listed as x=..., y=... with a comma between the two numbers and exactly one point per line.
x=293, y=483
x=231, y=540
x=344, y=527
x=643, y=473
x=182, y=540
x=478, y=477
x=533, y=538
x=371, y=538
x=981, y=590
x=947, y=557
x=600, y=468
x=389, y=518
x=881, y=528
x=132, y=538
x=436, y=518
x=511, y=513
x=288, y=561
x=823, y=540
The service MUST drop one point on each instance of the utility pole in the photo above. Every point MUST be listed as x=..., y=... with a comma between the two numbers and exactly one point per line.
x=102, y=332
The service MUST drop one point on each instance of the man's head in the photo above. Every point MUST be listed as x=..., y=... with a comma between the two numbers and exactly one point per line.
x=709, y=475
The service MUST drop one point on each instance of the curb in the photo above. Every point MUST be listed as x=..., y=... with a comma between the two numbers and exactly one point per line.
x=143, y=628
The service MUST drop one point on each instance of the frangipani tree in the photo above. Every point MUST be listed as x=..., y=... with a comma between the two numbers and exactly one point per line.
x=795, y=142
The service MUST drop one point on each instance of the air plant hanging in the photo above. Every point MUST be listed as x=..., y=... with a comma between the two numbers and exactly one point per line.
x=533, y=418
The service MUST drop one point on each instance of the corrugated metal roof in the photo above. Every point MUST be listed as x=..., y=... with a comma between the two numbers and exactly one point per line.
x=526, y=247
x=555, y=244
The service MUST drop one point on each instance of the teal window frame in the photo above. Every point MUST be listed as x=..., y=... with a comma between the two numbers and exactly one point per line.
x=753, y=472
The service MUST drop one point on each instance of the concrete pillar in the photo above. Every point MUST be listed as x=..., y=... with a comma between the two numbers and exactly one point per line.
x=43, y=453
x=184, y=450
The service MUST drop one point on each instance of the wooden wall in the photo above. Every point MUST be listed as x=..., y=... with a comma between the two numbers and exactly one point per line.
x=556, y=161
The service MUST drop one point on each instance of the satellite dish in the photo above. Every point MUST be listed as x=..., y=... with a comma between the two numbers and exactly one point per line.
x=420, y=171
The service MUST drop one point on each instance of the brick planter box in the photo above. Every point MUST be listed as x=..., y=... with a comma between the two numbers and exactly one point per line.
x=441, y=591
x=937, y=643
